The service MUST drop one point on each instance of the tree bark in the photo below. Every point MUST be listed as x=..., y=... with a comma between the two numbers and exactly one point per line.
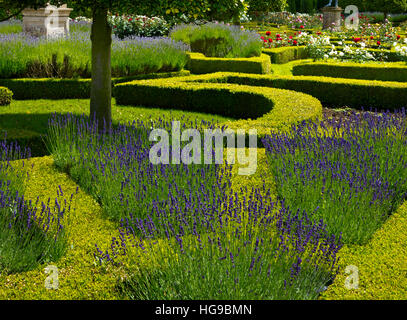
x=101, y=87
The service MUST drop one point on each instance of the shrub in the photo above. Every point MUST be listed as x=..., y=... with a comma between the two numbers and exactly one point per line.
x=5, y=96
x=199, y=64
x=226, y=10
x=370, y=71
x=352, y=175
x=213, y=94
x=28, y=236
x=219, y=40
x=286, y=54
x=115, y=167
x=30, y=89
x=22, y=56
x=267, y=6
x=250, y=251
x=140, y=26
x=335, y=91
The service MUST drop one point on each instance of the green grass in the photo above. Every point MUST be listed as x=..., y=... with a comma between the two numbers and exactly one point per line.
x=286, y=69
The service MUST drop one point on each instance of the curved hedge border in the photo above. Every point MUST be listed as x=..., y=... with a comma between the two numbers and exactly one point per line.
x=369, y=71
x=5, y=96
x=381, y=263
x=272, y=108
x=200, y=64
x=335, y=91
x=50, y=88
x=79, y=277
x=287, y=54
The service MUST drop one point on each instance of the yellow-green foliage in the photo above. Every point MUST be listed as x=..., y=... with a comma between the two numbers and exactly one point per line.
x=5, y=96
x=382, y=264
x=199, y=64
x=211, y=93
x=79, y=277
x=390, y=71
x=286, y=54
x=52, y=88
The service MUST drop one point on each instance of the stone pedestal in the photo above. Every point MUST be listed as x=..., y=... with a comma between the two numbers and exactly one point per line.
x=50, y=21
x=332, y=18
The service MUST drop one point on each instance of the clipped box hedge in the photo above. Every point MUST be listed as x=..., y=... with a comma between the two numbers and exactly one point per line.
x=336, y=92
x=271, y=108
x=369, y=71
x=286, y=54
x=6, y=96
x=381, y=264
x=199, y=64
x=51, y=88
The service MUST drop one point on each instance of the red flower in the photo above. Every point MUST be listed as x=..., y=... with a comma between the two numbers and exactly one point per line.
x=277, y=35
x=371, y=37
x=378, y=43
x=268, y=33
x=299, y=32
x=295, y=33
x=319, y=33
x=262, y=38
x=290, y=37
x=398, y=37
x=270, y=40
x=357, y=39
x=295, y=42
x=301, y=27
x=130, y=19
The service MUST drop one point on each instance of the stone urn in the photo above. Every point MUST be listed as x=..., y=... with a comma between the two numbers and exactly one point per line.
x=46, y=22
x=332, y=18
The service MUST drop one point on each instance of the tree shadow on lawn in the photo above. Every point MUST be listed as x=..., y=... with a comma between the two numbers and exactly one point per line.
x=29, y=130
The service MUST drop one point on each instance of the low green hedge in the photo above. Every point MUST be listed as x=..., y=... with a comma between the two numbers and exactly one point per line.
x=211, y=93
x=368, y=71
x=381, y=264
x=200, y=64
x=51, y=88
x=336, y=92
x=25, y=138
x=5, y=96
x=32, y=88
x=79, y=277
x=286, y=54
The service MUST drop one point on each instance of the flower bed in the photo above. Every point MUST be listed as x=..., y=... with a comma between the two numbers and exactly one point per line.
x=22, y=56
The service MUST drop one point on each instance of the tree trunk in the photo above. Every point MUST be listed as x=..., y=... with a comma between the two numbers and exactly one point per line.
x=101, y=87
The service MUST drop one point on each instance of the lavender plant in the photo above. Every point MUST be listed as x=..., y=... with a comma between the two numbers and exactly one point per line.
x=350, y=174
x=251, y=249
x=114, y=166
x=28, y=235
x=219, y=40
x=24, y=56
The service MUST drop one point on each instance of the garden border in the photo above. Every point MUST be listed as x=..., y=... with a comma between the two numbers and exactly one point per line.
x=391, y=71
x=199, y=64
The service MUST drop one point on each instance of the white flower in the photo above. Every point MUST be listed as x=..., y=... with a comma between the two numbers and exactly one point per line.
x=326, y=56
x=340, y=43
x=341, y=54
